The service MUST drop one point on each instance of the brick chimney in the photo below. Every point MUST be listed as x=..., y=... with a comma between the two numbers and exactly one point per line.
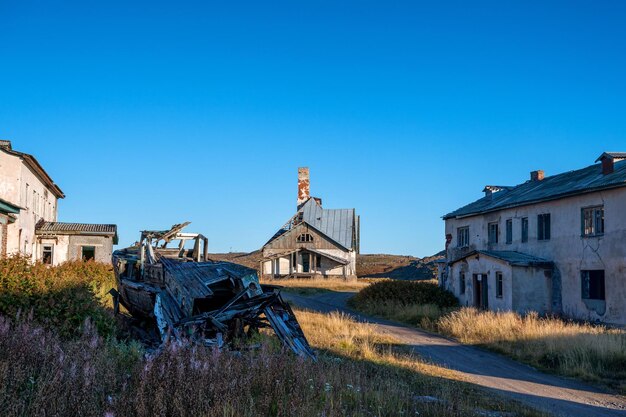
x=609, y=159
x=6, y=144
x=537, y=175
x=304, y=192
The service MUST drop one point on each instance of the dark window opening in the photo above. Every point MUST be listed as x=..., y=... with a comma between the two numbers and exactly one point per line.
x=543, y=226
x=509, y=231
x=593, y=221
x=524, y=229
x=462, y=237
x=499, y=284
x=306, y=263
x=46, y=256
x=462, y=283
x=318, y=261
x=493, y=233
x=592, y=284
x=305, y=237
x=88, y=253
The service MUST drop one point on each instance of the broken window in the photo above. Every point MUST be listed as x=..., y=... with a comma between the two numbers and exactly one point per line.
x=46, y=255
x=499, y=284
x=543, y=226
x=509, y=231
x=462, y=283
x=305, y=237
x=493, y=233
x=524, y=229
x=592, y=284
x=88, y=253
x=462, y=236
x=593, y=221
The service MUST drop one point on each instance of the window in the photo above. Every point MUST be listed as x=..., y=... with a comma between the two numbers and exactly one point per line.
x=462, y=236
x=524, y=229
x=46, y=255
x=462, y=283
x=318, y=261
x=593, y=221
x=493, y=233
x=499, y=284
x=592, y=284
x=543, y=226
x=509, y=231
x=88, y=253
x=305, y=237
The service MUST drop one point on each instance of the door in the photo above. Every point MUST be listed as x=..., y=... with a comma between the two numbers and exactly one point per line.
x=306, y=263
x=481, y=295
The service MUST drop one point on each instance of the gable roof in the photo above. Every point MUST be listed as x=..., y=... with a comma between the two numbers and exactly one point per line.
x=513, y=258
x=567, y=184
x=43, y=228
x=33, y=164
x=336, y=224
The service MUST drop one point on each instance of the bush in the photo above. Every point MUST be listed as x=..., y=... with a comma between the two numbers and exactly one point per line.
x=60, y=297
x=405, y=293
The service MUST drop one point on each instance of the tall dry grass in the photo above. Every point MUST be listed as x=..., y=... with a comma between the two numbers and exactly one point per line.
x=581, y=350
x=319, y=285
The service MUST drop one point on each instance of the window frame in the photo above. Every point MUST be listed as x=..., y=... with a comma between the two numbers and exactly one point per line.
x=595, y=221
x=509, y=231
x=499, y=285
x=524, y=229
x=82, y=253
x=496, y=225
x=461, y=282
x=43, y=254
x=304, y=238
x=544, y=232
x=597, y=291
x=462, y=232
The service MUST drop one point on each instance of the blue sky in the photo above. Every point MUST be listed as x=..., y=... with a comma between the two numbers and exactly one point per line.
x=152, y=113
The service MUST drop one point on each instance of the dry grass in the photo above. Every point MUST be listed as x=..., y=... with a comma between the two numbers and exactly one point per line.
x=317, y=286
x=591, y=352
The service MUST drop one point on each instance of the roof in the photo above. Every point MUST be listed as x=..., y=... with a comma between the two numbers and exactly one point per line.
x=513, y=258
x=43, y=228
x=567, y=184
x=336, y=224
x=612, y=155
x=35, y=166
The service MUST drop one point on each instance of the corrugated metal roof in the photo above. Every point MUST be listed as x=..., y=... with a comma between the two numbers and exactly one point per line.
x=557, y=186
x=337, y=224
x=511, y=257
x=58, y=227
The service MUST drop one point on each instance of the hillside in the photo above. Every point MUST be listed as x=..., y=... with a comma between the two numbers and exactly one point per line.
x=368, y=266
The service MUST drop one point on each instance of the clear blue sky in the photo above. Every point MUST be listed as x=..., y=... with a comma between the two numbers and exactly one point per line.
x=151, y=113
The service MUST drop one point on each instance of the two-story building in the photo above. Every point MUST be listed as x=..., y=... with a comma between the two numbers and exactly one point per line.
x=553, y=244
x=28, y=216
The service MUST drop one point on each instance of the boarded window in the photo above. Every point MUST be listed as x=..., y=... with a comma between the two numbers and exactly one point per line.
x=543, y=226
x=499, y=284
x=593, y=221
x=46, y=255
x=305, y=237
x=524, y=229
x=462, y=236
x=493, y=233
x=462, y=283
x=88, y=253
x=592, y=284
x=509, y=231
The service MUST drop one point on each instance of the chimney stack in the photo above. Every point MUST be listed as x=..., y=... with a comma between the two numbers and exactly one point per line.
x=537, y=175
x=304, y=192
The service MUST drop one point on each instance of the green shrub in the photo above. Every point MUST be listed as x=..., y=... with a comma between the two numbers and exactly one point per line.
x=405, y=293
x=60, y=297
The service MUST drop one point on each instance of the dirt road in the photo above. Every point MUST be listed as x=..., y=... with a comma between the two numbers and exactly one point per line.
x=553, y=394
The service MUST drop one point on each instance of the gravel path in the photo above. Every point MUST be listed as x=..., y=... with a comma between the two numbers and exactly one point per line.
x=556, y=395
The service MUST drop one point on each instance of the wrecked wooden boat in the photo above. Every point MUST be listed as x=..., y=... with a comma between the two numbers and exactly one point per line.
x=189, y=297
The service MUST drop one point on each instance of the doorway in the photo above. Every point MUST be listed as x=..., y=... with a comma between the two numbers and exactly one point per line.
x=481, y=295
x=306, y=263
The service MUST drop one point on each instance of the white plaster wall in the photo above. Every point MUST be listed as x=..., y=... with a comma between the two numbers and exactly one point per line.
x=570, y=252
x=60, y=249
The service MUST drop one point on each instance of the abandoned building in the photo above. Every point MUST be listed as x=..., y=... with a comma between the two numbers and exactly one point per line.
x=315, y=242
x=554, y=244
x=28, y=216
